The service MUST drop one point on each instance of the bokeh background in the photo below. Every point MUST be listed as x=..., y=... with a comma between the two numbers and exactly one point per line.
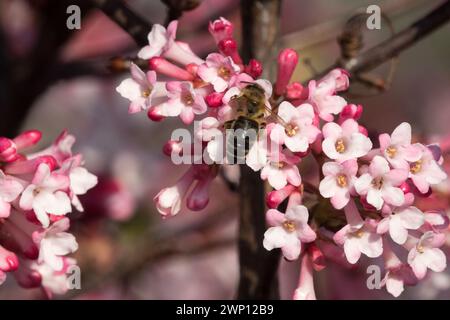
x=126, y=251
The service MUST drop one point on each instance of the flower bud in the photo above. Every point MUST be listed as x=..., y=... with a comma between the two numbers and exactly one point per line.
x=254, y=68
x=162, y=66
x=214, y=99
x=287, y=61
x=228, y=47
x=221, y=29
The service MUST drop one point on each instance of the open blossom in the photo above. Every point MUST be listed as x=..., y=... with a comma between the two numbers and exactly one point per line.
x=338, y=181
x=402, y=219
x=221, y=29
x=281, y=169
x=218, y=70
x=322, y=97
x=380, y=184
x=427, y=255
x=288, y=231
x=358, y=240
x=297, y=131
x=183, y=101
x=397, y=148
x=45, y=195
x=55, y=243
x=140, y=89
x=344, y=142
x=425, y=171
x=10, y=189
x=160, y=39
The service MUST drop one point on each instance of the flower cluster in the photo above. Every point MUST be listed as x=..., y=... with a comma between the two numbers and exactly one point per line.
x=364, y=202
x=37, y=191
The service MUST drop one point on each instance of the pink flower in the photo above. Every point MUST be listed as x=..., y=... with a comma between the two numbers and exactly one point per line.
x=218, y=70
x=338, y=181
x=425, y=171
x=45, y=195
x=397, y=148
x=139, y=89
x=288, y=231
x=338, y=77
x=358, y=240
x=280, y=169
x=183, y=101
x=10, y=189
x=305, y=288
x=162, y=43
x=380, y=184
x=54, y=243
x=344, y=142
x=221, y=29
x=298, y=131
x=400, y=220
x=322, y=97
x=427, y=255
x=209, y=131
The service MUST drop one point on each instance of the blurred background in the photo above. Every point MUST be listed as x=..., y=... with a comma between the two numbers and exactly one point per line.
x=126, y=251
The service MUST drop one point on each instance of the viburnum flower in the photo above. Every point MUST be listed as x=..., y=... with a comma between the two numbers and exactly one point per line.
x=380, y=184
x=397, y=148
x=10, y=189
x=288, y=231
x=35, y=193
x=140, y=89
x=373, y=186
x=400, y=220
x=425, y=171
x=344, y=142
x=297, y=131
x=54, y=243
x=322, y=97
x=338, y=181
x=45, y=194
x=183, y=101
x=427, y=255
x=280, y=169
x=218, y=70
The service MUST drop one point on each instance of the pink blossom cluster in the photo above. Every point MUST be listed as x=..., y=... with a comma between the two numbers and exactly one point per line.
x=37, y=191
x=364, y=202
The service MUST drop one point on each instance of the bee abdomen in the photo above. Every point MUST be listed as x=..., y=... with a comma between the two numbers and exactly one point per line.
x=240, y=138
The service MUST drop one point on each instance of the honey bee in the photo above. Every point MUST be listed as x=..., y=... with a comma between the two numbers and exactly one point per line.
x=251, y=110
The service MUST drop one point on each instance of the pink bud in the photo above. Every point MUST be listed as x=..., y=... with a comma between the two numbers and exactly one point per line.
x=29, y=166
x=162, y=66
x=8, y=260
x=8, y=150
x=28, y=278
x=287, y=61
x=363, y=130
x=317, y=257
x=171, y=147
x=27, y=139
x=254, y=68
x=198, y=199
x=221, y=29
x=154, y=114
x=214, y=99
x=405, y=187
x=295, y=91
x=351, y=111
x=228, y=47
x=192, y=68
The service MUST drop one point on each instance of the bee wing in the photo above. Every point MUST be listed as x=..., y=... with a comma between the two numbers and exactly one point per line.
x=275, y=115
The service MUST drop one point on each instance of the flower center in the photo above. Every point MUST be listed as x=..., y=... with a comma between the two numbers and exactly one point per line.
x=341, y=180
x=278, y=165
x=377, y=183
x=415, y=167
x=420, y=248
x=340, y=145
x=36, y=191
x=289, y=226
x=358, y=233
x=291, y=130
x=146, y=92
x=187, y=99
x=391, y=151
x=224, y=73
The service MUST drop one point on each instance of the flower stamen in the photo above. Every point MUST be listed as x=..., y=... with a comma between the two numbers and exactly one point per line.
x=340, y=145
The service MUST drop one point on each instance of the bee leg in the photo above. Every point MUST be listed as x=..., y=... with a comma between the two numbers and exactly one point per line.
x=228, y=124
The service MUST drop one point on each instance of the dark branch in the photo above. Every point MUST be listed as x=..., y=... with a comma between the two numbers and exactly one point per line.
x=391, y=47
x=126, y=18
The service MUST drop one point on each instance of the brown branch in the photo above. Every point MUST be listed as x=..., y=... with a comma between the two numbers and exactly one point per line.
x=136, y=26
x=260, y=28
x=391, y=47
